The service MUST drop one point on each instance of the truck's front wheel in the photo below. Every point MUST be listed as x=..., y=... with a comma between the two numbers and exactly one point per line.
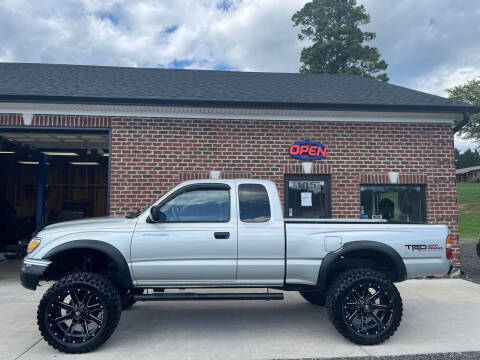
x=79, y=312
x=364, y=306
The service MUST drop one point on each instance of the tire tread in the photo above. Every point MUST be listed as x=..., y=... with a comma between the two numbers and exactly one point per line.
x=334, y=294
x=101, y=284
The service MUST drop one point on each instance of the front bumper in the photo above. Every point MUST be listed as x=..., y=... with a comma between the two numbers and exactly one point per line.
x=32, y=271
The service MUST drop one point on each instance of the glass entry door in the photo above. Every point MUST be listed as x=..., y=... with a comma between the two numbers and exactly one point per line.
x=307, y=196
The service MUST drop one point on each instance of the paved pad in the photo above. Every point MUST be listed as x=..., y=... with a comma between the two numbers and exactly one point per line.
x=439, y=316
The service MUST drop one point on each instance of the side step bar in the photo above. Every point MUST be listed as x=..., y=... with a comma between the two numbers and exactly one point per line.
x=206, y=296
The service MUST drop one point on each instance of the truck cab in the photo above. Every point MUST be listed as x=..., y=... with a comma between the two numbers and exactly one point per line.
x=227, y=232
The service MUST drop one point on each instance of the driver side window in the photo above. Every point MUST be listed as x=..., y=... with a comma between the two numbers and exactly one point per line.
x=199, y=205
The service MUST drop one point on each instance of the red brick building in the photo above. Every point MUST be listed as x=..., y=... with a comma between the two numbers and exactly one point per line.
x=88, y=141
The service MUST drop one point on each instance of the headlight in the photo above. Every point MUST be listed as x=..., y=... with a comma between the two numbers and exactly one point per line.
x=33, y=244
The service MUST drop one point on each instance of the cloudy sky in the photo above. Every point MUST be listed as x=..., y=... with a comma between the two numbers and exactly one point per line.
x=430, y=45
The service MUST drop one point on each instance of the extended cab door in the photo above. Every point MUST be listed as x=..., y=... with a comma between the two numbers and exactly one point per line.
x=195, y=243
x=261, y=238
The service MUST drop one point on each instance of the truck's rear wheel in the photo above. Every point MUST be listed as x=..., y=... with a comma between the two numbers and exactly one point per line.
x=79, y=312
x=315, y=297
x=364, y=306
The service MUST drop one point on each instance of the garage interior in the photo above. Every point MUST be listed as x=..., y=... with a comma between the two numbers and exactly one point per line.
x=50, y=176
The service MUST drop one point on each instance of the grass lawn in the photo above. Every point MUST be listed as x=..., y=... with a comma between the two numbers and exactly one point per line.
x=469, y=209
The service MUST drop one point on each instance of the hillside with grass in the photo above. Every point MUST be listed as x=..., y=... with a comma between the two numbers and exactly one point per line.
x=469, y=209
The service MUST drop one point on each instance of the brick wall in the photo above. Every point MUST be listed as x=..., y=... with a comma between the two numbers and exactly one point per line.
x=151, y=155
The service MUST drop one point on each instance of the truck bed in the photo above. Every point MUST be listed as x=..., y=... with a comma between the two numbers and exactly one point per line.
x=308, y=241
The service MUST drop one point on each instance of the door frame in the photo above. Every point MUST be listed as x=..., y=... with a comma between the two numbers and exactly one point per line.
x=144, y=230
x=308, y=177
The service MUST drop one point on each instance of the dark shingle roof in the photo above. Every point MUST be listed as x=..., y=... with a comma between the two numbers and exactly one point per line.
x=467, y=170
x=122, y=85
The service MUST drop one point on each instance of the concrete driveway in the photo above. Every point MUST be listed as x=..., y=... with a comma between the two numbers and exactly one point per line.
x=439, y=316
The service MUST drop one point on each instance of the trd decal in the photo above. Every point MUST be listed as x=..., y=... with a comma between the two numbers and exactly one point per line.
x=433, y=247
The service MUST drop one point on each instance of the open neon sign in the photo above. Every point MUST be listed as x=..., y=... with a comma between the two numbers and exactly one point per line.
x=308, y=150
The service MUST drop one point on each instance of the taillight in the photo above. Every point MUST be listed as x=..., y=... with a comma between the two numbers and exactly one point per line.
x=448, y=247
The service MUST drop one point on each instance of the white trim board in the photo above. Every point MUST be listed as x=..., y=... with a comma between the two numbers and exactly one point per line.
x=225, y=113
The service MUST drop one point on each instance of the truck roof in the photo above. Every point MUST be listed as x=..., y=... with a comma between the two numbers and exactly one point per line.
x=228, y=181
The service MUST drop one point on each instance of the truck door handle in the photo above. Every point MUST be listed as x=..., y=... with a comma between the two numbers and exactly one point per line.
x=221, y=235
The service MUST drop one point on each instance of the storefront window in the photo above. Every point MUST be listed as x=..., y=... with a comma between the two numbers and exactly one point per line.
x=403, y=203
x=307, y=196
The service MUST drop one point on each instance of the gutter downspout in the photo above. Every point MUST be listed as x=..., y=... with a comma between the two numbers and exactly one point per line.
x=462, y=123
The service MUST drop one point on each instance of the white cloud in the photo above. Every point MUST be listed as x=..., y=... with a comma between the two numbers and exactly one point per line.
x=464, y=144
x=429, y=45
x=437, y=81
x=253, y=35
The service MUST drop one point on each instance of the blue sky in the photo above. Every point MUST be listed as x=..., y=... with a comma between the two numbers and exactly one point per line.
x=430, y=45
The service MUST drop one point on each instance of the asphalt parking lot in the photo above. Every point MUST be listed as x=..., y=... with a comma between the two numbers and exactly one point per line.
x=470, y=260
x=440, y=316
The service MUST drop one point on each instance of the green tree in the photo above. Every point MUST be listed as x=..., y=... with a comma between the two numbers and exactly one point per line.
x=469, y=93
x=467, y=159
x=333, y=26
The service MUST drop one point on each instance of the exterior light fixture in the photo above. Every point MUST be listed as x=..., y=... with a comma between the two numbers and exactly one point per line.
x=84, y=163
x=215, y=174
x=307, y=167
x=58, y=153
x=30, y=162
x=27, y=118
x=393, y=176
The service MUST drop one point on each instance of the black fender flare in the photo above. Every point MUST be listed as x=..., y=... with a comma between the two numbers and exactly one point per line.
x=122, y=278
x=362, y=245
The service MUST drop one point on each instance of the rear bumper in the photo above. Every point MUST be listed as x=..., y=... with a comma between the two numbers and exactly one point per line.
x=454, y=270
x=32, y=271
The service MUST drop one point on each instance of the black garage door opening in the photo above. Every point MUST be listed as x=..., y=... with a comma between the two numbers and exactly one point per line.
x=50, y=175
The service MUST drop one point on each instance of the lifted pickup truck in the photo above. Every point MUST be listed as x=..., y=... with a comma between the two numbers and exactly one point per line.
x=226, y=234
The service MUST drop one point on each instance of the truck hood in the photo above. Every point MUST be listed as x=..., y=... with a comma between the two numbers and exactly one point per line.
x=104, y=223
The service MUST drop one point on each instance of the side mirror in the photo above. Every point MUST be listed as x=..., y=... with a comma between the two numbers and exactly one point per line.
x=156, y=215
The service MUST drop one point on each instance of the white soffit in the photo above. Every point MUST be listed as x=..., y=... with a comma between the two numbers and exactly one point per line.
x=224, y=113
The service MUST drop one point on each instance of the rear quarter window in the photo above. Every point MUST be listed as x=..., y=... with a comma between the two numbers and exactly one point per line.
x=253, y=203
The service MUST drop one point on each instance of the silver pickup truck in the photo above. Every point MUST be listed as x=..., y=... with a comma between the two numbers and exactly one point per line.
x=226, y=234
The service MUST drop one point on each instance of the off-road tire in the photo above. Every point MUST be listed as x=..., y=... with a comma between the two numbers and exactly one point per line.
x=99, y=287
x=315, y=297
x=339, y=292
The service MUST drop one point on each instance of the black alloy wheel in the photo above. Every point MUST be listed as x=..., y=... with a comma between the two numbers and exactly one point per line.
x=79, y=312
x=367, y=308
x=76, y=316
x=364, y=306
